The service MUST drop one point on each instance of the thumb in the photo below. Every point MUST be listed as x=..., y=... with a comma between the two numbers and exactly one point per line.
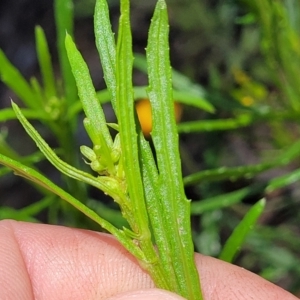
x=147, y=294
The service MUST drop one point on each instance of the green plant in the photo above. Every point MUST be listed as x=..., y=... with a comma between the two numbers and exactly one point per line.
x=146, y=184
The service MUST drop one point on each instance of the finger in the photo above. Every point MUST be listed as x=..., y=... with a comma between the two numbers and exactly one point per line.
x=15, y=282
x=221, y=280
x=65, y=263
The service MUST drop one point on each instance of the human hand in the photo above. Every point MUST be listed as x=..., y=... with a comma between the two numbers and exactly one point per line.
x=52, y=262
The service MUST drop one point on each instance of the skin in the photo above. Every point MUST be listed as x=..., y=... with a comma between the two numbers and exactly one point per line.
x=52, y=262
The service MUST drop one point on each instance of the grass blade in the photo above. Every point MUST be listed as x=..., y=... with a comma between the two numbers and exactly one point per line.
x=45, y=63
x=106, y=47
x=235, y=241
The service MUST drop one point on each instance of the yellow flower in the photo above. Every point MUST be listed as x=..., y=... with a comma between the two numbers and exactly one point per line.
x=143, y=108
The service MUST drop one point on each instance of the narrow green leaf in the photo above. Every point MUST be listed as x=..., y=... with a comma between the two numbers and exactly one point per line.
x=184, y=83
x=63, y=11
x=15, y=214
x=105, y=43
x=45, y=63
x=155, y=209
x=213, y=125
x=12, y=77
x=218, y=202
x=176, y=208
x=283, y=181
x=235, y=241
x=87, y=95
x=188, y=98
x=103, y=96
x=37, y=207
x=125, y=105
x=223, y=173
x=7, y=114
x=250, y=171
